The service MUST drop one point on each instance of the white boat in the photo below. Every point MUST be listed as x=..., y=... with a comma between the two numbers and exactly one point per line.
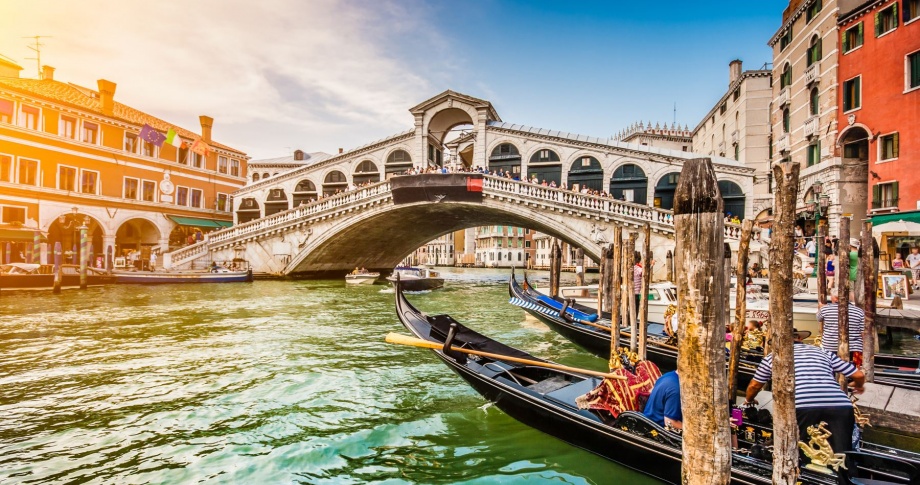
x=365, y=278
x=416, y=279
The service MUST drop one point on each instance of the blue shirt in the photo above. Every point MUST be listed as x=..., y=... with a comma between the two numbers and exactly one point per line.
x=664, y=402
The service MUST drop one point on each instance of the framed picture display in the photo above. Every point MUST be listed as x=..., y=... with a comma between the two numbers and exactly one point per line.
x=894, y=285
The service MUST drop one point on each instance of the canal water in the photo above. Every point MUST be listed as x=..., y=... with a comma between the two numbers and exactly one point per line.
x=269, y=382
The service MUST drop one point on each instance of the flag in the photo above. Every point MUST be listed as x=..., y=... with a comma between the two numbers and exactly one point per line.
x=151, y=135
x=173, y=138
x=200, y=148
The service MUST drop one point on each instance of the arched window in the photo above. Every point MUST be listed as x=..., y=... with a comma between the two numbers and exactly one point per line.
x=304, y=192
x=629, y=183
x=365, y=172
x=265, y=175
x=664, y=191
x=587, y=172
x=814, y=101
x=255, y=177
x=505, y=157
x=733, y=197
x=786, y=78
x=814, y=51
x=335, y=181
x=276, y=202
x=545, y=165
x=248, y=210
x=398, y=161
x=786, y=120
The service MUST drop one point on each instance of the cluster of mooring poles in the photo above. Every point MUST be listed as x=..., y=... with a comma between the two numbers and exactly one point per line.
x=701, y=267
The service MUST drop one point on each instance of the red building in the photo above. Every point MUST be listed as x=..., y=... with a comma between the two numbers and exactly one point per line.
x=878, y=110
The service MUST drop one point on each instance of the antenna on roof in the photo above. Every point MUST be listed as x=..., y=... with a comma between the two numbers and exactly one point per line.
x=675, y=112
x=38, y=51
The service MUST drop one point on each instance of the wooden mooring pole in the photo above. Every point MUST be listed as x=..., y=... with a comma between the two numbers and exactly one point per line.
x=602, y=279
x=613, y=295
x=579, y=267
x=785, y=427
x=740, y=307
x=629, y=291
x=868, y=265
x=843, y=294
x=646, y=281
x=699, y=235
x=822, y=264
x=555, y=268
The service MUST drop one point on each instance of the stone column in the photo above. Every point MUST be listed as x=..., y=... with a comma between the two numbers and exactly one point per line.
x=419, y=156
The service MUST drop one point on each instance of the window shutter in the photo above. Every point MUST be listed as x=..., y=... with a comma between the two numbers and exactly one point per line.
x=857, y=90
x=894, y=14
x=894, y=193
x=846, y=40
x=876, y=196
x=877, y=24
x=894, y=146
x=859, y=35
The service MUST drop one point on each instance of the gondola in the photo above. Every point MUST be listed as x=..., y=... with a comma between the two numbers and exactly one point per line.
x=545, y=400
x=892, y=370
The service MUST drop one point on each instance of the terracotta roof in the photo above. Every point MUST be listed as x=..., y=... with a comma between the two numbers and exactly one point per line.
x=88, y=99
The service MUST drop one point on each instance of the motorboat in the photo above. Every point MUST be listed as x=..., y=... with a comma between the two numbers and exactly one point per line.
x=416, y=279
x=215, y=274
x=30, y=276
x=361, y=278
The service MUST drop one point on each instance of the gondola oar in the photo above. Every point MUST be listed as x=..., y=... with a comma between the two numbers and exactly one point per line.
x=399, y=339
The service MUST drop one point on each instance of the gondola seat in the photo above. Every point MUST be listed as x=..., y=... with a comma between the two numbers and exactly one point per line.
x=568, y=394
x=868, y=469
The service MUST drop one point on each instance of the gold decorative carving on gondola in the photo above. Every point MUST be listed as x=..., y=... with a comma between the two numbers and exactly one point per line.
x=820, y=451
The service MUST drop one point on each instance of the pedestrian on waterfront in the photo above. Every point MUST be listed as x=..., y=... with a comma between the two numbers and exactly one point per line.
x=663, y=406
x=913, y=262
x=829, y=270
x=898, y=263
x=830, y=333
x=811, y=248
x=153, y=261
x=818, y=396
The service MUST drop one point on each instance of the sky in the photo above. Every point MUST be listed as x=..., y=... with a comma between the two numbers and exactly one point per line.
x=318, y=75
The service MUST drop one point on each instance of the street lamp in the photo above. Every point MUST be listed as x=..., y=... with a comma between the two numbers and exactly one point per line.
x=819, y=206
x=73, y=224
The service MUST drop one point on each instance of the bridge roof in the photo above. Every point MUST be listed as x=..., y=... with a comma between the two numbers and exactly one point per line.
x=309, y=159
x=475, y=102
x=612, y=143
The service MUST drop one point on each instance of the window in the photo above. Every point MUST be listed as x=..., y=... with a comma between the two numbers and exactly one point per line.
x=89, y=182
x=814, y=51
x=90, y=133
x=182, y=195
x=785, y=40
x=888, y=147
x=786, y=78
x=182, y=153
x=814, y=153
x=130, y=142
x=223, y=202
x=913, y=70
x=68, y=127
x=786, y=120
x=6, y=168
x=235, y=167
x=722, y=109
x=13, y=214
x=911, y=10
x=6, y=111
x=148, y=149
x=885, y=195
x=196, y=197
x=130, y=188
x=222, y=164
x=736, y=94
x=851, y=91
x=148, y=191
x=196, y=159
x=28, y=117
x=255, y=177
x=67, y=178
x=737, y=152
x=28, y=171
x=853, y=37
x=886, y=20
x=814, y=101
x=585, y=161
x=812, y=11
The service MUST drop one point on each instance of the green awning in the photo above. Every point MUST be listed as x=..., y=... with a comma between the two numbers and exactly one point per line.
x=18, y=235
x=196, y=222
x=909, y=216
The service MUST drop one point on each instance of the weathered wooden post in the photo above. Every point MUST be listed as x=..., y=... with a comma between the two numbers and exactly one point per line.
x=646, y=281
x=699, y=235
x=629, y=291
x=109, y=262
x=785, y=427
x=555, y=268
x=867, y=267
x=727, y=275
x=843, y=293
x=601, y=279
x=83, y=255
x=822, y=265
x=613, y=289
x=609, y=287
x=579, y=267
x=669, y=261
x=58, y=277
x=740, y=307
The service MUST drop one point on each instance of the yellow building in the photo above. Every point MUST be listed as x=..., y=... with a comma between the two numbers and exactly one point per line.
x=71, y=155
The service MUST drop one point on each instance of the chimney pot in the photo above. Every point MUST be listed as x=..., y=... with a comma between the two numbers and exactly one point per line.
x=106, y=96
x=341, y=150
x=734, y=71
x=206, y=123
x=48, y=73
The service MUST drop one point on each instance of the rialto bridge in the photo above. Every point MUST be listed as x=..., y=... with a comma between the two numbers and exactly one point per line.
x=352, y=209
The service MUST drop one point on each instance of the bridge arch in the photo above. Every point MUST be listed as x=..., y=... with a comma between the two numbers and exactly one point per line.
x=334, y=181
x=586, y=171
x=398, y=160
x=732, y=197
x=366, y=171
x=545, y=164
x=304, y=192
x=504, y=155
x=629, y=182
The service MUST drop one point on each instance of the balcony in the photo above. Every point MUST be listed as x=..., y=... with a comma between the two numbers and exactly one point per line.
x=813, y=73
x=811, y=127
x=721, y=147
x=783, y=98
x=735, y=136
x=782, y=144
x=885, y=203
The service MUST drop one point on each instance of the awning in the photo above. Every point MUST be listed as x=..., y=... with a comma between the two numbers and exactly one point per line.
x=909, y=216
x=18, y=235
x=196, y=222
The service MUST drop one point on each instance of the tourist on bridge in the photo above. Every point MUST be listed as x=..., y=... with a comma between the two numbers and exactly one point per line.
x=818, y=396
x=830, y=335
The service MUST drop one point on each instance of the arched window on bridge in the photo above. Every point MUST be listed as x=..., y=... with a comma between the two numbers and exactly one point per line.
x=335, y=182
x=255, y=177
x=629, y=183
x=398, y=162
x=545, y=165
x=265, y=175
x=248, y=210
x=507, y=158
x=304, y=193
x=587, y=172
x=276, y=202
x=365, y=172
x=733, y=197
x=664, y=191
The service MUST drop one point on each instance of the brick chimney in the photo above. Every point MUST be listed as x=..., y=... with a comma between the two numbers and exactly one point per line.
x=734, y=71
x=106, y=96
x=48, y=73
x=341, y=150
x=206, y=123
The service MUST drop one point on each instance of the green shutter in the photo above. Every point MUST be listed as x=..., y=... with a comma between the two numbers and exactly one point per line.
x=876, y=196
x=914, y=70
x=857, y=89
x=894, y=14
x=846, y=40
x=859, y=35
x=894, y=146
x=894, y=193
x=878, y=25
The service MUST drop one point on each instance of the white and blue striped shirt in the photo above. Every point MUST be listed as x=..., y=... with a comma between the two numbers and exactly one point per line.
x=830, y=338
x=815, y=385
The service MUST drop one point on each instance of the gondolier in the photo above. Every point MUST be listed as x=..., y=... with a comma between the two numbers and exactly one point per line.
x=830, y=334
x=817, y=394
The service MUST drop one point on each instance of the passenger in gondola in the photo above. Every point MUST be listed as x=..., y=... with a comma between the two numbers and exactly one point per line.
x=663, y=406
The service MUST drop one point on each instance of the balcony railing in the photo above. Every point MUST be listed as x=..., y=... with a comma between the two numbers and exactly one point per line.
x=813, y=73
x=783, y=143
x=890, y=203
x=735, y=136
x=784, y=95
x=810, y=128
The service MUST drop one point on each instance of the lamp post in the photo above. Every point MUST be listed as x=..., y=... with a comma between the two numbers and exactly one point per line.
x=819, y=206
x=72, y=225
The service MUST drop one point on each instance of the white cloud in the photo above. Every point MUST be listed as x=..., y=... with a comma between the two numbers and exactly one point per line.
x=274, y=74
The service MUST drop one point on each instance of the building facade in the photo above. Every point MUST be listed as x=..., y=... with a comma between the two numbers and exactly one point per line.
x=72, y=156
x=501, y=247
x=738, y=127
x=659, y=136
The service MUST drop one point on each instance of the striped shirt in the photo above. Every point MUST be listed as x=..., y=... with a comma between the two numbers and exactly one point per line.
x=815, y=385
x=637, y=279
x=830, y=338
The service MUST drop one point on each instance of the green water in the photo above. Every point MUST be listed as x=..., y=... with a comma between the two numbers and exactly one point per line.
x=269, y=382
